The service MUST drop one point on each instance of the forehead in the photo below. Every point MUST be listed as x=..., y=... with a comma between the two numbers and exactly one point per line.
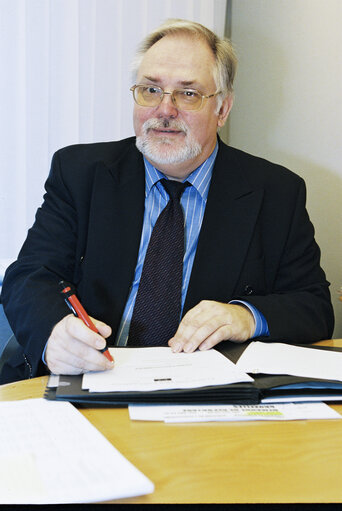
x=178, y=59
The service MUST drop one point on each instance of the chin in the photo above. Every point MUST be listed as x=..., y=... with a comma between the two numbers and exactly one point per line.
x=166, y=151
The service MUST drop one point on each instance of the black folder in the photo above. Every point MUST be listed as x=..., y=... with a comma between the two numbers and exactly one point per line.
x=70, y=388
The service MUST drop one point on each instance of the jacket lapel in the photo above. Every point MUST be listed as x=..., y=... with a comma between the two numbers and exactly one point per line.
x=115, y=225
x=228, y=224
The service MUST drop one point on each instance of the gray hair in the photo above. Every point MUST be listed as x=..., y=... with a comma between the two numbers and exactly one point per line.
x=225, y=58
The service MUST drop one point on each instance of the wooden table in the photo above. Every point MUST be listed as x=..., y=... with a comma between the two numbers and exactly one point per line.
x=238, y=462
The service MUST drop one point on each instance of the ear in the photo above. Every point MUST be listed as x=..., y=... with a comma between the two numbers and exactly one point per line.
x=224, y=110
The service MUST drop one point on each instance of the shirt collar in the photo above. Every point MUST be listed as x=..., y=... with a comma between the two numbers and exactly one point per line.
x=200, y=178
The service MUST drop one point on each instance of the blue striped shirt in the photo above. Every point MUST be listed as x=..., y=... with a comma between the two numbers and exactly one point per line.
x=193, y=202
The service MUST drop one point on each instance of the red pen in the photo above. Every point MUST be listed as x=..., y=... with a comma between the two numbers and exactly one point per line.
x=78, y=310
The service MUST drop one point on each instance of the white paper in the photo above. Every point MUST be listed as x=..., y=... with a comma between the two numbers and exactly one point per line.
x=280, y=358
x=148, y=369
x=206, y=413
x=53, y=381
x=301, y=397
x=51, y=454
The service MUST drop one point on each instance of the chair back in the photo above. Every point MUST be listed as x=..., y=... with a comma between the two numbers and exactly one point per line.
x=8, y=342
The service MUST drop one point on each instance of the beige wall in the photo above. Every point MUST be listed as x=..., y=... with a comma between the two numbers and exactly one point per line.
x=288, y=105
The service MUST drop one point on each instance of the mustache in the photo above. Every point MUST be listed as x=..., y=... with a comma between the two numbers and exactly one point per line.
x=171, y=124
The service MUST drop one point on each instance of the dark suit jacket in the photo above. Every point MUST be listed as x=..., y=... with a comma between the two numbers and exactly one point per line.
x=256, y=243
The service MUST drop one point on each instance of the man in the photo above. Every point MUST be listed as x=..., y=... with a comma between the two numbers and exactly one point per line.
x=251, y=265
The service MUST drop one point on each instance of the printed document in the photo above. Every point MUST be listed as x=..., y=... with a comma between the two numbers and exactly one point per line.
x=51, y=454
x=146, y=369
x=280, y=358
x=206, y=413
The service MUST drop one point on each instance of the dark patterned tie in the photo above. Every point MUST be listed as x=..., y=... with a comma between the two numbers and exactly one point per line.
x=157, y=307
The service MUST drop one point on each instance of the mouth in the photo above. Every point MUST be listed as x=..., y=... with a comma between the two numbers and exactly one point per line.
x=163, y=131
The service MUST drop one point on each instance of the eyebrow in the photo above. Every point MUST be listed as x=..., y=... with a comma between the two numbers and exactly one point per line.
x=183, y=83
x=186, y=83
x=153, y=79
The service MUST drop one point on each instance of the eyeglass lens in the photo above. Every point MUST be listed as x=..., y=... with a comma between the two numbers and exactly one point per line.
x=185, y=99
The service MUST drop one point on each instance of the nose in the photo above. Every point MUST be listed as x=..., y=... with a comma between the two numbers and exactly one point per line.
x=166, y=108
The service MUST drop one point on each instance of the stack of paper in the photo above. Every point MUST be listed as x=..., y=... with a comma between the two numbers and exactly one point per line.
x=228, y=413
x=157, y=375
x=281, y=358
x=51, y=454
x=277, y=372
x=150, y=369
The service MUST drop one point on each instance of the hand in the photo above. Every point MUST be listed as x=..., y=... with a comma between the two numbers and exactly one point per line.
x=73, y=348
x=209, y=323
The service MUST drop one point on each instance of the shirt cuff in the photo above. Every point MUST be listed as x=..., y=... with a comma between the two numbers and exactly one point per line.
x=261, y=326
x=43, y=355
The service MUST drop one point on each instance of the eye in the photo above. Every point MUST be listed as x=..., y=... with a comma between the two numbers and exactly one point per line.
x=190, y=93
x=152, y=90
x=188, y=96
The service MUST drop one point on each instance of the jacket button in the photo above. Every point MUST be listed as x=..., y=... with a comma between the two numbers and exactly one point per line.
x=248, y=290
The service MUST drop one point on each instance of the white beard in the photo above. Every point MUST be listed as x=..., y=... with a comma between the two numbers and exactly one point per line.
x=166, y=150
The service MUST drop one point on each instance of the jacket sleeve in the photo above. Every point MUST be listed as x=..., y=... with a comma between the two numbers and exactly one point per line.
x=30, y=292
x=297, y=306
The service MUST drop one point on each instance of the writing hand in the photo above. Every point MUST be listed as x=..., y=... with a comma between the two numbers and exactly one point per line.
x=73, y=348
x=209, y=323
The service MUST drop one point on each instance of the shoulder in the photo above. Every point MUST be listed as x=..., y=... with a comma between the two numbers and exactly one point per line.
x=77, y=168
x=255, y=170
x=85, y=155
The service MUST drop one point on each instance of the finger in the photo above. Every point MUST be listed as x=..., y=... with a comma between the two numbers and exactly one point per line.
x=104, y=329
x=184, y=332
x=86, y=353
x=235, y=331
x=211, y=331
x=220, y=334
x=66, y=348
x=211, y=322
x=59, y=367
x=194, y=327
x=217, y=329
x=73, y=366
x=76, y=359
x=76, y=329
